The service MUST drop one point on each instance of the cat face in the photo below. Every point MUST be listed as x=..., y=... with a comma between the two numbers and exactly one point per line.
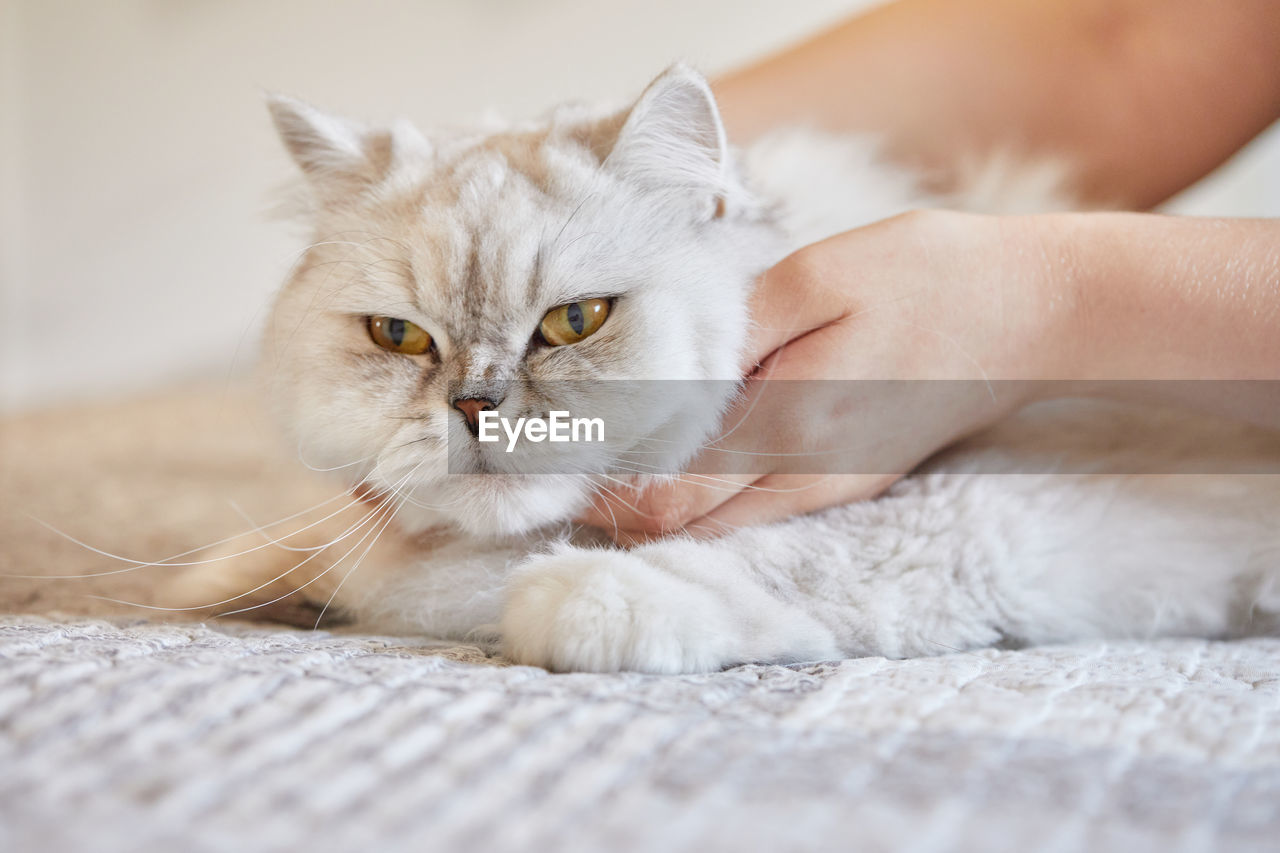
x=563, y=265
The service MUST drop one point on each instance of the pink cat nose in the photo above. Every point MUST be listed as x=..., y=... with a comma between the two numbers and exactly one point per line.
x=471, y=409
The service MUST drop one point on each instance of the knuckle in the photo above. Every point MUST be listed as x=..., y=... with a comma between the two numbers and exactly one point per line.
x=933, y=226
x=666, y=512
x=808, y=267
x=920, y=218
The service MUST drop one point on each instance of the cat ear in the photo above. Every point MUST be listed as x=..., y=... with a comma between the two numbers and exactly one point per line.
x=673, y=137
x=338, y=156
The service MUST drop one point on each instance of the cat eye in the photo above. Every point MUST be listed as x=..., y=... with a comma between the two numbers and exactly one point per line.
x=396, y=335
x=574, y=322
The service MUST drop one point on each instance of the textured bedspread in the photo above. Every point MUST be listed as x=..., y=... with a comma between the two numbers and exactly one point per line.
x=119, y=730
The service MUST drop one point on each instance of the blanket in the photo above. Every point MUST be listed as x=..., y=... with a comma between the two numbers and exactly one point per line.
x=123, y=728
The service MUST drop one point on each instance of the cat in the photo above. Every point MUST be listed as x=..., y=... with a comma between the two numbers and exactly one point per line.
x=437, y=263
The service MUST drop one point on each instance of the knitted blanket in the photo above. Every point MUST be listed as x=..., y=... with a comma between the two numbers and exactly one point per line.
x=128, y=729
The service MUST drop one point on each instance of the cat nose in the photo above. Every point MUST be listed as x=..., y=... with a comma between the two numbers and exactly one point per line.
x=471, y=407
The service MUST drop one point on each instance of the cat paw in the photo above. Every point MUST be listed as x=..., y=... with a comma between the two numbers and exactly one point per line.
x=609, y=611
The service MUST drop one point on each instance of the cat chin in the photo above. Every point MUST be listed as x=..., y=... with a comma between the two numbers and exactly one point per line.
x=488, y=506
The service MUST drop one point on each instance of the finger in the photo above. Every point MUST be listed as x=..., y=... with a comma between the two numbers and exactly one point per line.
x=762, y=420
x=794, y=298
x=724, y=466
x=785, y=495
x=664, y=506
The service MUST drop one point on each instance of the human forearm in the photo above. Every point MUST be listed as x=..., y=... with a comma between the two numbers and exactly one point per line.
x=1159, y=298
x=1143, y=96
x=1018, y=308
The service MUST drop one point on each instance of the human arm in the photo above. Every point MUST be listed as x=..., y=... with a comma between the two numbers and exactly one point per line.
x=1141, y=97
x=1063, y=302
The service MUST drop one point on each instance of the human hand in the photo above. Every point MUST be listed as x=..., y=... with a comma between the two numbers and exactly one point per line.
x=923, y=296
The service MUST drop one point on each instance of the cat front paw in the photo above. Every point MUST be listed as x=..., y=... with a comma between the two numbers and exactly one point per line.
x=610, y=611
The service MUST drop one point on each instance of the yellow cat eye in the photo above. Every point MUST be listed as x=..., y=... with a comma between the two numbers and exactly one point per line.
x=571, y=323
x=396, y=335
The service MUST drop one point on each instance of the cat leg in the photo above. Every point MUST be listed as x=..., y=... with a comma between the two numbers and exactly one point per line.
x=669, y=607
x=954, y=561
x=915, y=574
x=944, y=563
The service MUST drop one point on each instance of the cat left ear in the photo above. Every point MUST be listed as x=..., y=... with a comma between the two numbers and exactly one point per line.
x=673, y=137
x=339, y=156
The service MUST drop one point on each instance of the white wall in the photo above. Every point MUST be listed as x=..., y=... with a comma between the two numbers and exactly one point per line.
x=136, y=161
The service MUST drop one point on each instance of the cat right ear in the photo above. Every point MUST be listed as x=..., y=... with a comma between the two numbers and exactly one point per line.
x=338, y=156
x=673, y=136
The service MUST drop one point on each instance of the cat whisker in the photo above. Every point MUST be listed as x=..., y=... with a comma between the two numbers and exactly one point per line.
x=169, y=561
x=390, y=517
x=349, y=531
x=426, y=437
x=586, y=198
x=579, y=237
x=407, y=497
x=702, y=480
x=714, y=525
x=318, y=470
x=610, y=496
x=732, y=486
x=615, y=480
x=389, y=508
x=279, y=542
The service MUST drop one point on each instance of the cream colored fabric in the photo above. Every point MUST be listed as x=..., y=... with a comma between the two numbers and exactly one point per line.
x=119, y=731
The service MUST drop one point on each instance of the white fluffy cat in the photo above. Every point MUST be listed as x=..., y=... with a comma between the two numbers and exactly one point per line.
x=438, y=259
